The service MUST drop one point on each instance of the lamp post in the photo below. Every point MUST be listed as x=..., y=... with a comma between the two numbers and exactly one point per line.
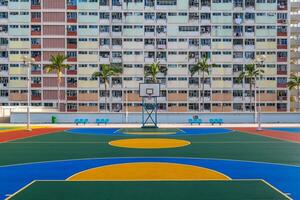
x=27, y=61
x=259, y=60
x=126, y=105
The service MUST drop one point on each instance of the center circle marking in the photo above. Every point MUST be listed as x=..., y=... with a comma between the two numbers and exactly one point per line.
x=149, y=143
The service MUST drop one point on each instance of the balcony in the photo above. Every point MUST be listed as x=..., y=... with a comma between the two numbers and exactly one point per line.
x=36, y=72
x=281, y=46
x=281, y=85
x=281, y=59
x=36, y=98
x=71, y=85
x=71, y=6
x=281, y=72
x=35, y=46
x=71, y=33
x=35, y=20
x=36, y=7
x=72, y=20
x=72, y=72
x=71, y=98
x=37, y=58
x=282, y=6
x=36, y=85
x=72, y=46
x=72, y=59
x=281, y=33
x=36, y=32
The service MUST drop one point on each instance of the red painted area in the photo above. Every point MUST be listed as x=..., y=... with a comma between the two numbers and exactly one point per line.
x=281, y=135
x=21, y=134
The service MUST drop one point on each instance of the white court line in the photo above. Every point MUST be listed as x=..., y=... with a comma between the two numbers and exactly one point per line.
x=220, y=142
x=274, y=188
x=163, y=180
x=23, y=188
x=186, y=158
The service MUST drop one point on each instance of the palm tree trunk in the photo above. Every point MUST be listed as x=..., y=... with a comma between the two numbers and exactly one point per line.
x=251, y=96
x=105, y=89
x=58, y=93
x=202, y=107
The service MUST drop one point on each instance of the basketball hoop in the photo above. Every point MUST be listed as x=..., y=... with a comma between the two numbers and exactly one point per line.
x=149, y=93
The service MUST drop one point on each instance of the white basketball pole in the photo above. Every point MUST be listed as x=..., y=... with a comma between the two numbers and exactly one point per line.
x=27, y=62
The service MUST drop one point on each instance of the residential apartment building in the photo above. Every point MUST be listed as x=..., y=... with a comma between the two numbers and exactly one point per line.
x=135, y=33
x=295, y=36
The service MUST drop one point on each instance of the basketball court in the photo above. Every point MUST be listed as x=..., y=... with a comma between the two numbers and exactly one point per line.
x=149, y=162
x=88, y=163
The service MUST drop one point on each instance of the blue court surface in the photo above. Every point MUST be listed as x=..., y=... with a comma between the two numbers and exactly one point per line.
x=284, y=177
x=181, y=131
x=285, y=129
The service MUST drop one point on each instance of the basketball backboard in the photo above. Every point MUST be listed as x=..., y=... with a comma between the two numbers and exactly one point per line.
x=149, y=89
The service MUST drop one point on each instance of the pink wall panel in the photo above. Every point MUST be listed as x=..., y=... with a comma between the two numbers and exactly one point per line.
x=52, y=82
x=54, y=4
x=52, y=94
x=54, y=30
x=54, y=43
x=53, y=17
x=47, y=54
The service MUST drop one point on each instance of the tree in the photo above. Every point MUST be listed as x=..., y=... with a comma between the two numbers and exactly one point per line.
x=153, y=70
x=105, y=73
x=201, y=67
x=294, y=83
x=57, y=65
x=251, y=73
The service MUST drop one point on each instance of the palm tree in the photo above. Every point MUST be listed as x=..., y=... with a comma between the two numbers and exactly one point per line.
x=153, y=70
x=251, y=73
x=294, y=83
x=105, y=73
x=201, y=67
x=57, y=65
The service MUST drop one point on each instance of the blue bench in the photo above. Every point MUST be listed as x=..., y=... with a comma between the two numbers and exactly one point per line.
x=195, y=121
x=102, y=121
x=216, y=121
x=81, y=121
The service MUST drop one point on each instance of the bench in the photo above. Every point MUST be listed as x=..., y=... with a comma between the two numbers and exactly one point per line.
x=81, y=121
x=216, y=121
x=102, y=121
x=195, y=121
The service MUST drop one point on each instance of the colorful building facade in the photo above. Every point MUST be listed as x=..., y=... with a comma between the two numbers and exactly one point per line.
x=135, y=33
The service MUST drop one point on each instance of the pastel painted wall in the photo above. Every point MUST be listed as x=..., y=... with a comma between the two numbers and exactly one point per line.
x=181, y=118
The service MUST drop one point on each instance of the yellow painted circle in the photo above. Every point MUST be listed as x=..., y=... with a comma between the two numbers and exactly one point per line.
x=148, y=171
x=149, y=143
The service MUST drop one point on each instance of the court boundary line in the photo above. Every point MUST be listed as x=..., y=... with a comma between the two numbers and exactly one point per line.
x=90, y=142
x=20, y=190
x=231, y=180
x=276, y=189
x=151, y=157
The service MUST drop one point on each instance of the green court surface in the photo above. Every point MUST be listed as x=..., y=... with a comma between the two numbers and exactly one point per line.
x=149, y=190
x=63, y=146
